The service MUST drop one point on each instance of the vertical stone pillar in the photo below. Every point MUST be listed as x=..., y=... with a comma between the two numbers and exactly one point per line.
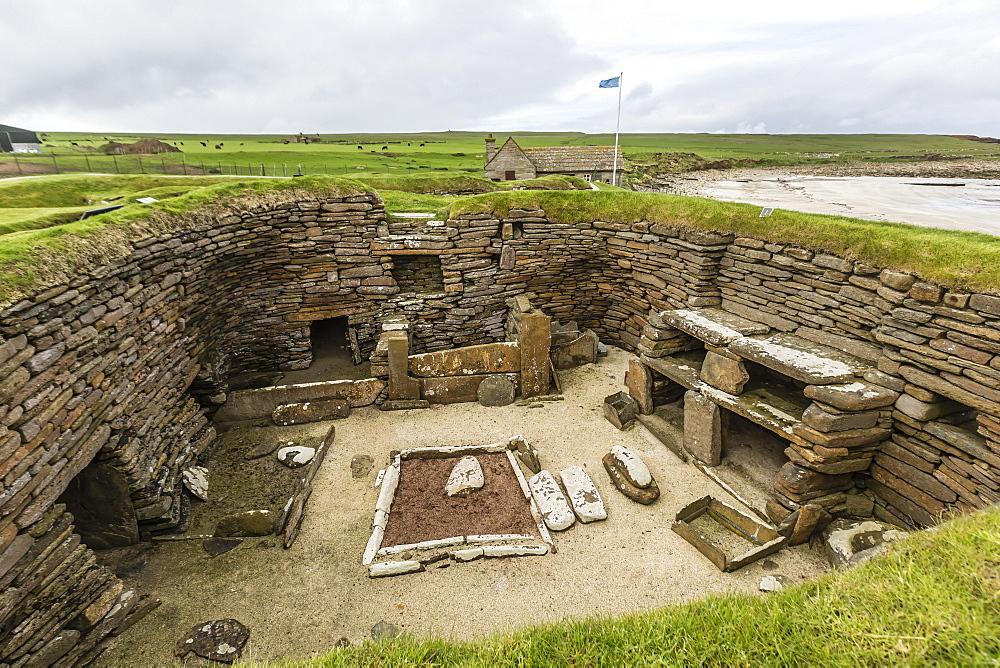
x=639, y=381
x=536, y=339
x=702, y=428
x=401, y=386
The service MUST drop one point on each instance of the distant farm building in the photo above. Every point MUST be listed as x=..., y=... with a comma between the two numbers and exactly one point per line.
x=512, y=162
x=307, y=139
x=18, y=140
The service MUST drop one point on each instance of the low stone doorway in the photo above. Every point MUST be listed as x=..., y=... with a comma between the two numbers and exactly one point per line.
x=102, y=510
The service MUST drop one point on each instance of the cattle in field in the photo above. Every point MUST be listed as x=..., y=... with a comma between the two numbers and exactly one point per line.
x=204, y=144
x=385, y=148
x=218, y=146
x=360, y=147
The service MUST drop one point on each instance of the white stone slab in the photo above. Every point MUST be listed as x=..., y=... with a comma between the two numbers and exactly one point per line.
x=395, y=549
x=583, y=495
x=196, y=480
x=543, y=530
x=387, y=568
x=551, y=502
x=798, y=358
x=636, y=469
x=440, y=542
x=294, y=456
x=467, y=555
x=520, y=476
x=497, y=537
x=514, y=550
x=713, y=326
x=388, y=489
x=374, y=543
x=466, y=477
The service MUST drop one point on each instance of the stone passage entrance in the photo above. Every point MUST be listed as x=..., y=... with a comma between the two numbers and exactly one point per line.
x=99, y=500
x=336, y=354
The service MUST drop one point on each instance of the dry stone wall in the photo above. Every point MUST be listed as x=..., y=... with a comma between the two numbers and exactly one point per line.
x=122, y=365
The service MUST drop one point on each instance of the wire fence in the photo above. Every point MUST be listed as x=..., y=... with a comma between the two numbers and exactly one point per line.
x=167, y=163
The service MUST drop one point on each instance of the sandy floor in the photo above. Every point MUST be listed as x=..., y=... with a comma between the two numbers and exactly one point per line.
x=300, y=601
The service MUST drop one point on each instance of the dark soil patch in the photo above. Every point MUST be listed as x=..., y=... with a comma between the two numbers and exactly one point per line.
x=11, y=168
x=236, y=484
x=423, y=511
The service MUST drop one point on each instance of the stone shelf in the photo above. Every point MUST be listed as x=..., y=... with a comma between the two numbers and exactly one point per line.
x=798, y=358
x=772, y=406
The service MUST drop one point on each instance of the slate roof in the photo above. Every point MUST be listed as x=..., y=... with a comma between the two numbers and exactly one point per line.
x=9, y=134
x=573, y=158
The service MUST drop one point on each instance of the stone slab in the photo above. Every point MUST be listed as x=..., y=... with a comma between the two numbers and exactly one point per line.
x=260, y=403
x=724, y=373
x=639, y=382
x=712, y=325
x=800, y=359
x=497, y=390
x=583, y=495
x=854, y=396
x=822, y=420
x=580, y=351
x=555, y=509
x=486, y=358
x=311, y=411
x=458, y=389
x=465, y=478
x=702, y=428
x=641, y=495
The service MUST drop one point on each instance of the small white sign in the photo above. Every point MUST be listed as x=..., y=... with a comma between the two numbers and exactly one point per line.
x=766, y=211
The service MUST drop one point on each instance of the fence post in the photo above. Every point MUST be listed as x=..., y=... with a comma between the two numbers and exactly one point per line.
x=117, y=171
x=55, y=165
x=284, y=170
x=18, y=165
x=142, y=170
x=263, y=172
x=163, y=164
x=184, y=164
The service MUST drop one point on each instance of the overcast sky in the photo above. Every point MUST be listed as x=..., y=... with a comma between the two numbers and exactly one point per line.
x=251, y=66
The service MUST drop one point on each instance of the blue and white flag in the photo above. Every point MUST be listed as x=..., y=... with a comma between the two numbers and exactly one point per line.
x=610, y=83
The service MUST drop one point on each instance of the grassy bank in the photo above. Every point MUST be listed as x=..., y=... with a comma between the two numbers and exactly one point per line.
x=36, y=249
x=948, y=257
x=933, y=600
x=31, y=256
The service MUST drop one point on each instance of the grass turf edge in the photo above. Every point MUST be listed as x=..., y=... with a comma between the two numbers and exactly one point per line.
x=934, y=598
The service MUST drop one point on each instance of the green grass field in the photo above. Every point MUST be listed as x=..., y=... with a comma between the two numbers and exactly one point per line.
x=268, y=155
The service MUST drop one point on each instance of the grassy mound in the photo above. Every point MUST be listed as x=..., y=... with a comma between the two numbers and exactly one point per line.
x=948, y=257
x=934, y=599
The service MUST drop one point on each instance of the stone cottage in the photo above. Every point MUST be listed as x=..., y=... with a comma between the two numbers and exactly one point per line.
x=512, y=162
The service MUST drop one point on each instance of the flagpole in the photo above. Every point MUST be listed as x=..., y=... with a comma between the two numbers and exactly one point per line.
x=618, y=124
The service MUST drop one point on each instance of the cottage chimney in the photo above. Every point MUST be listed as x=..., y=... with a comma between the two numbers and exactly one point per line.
x=491, y=147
